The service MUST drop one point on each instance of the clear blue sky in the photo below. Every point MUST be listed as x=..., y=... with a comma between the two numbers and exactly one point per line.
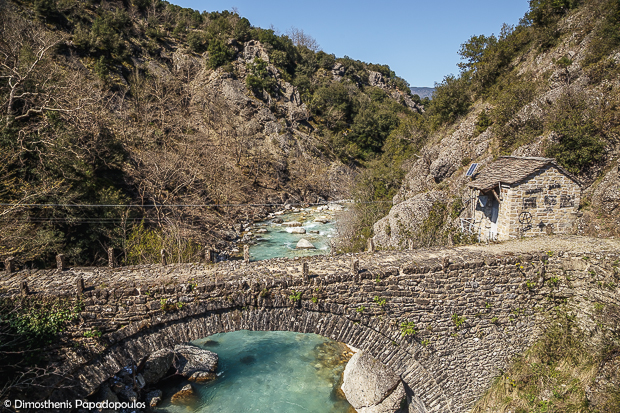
x=419, y=40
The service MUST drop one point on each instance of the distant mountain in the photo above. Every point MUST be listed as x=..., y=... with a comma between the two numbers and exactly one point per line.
x=423, y=92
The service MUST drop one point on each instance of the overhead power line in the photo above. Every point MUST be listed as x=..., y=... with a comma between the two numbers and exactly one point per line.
x=182, y=205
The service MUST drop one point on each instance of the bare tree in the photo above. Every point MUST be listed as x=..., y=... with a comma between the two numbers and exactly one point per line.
x=300, y=38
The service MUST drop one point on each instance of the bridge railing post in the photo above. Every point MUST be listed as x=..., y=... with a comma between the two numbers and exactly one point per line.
x=23, y=288
x=79, y=287
x=61, y=263
x=305, y=273
x=371, y=245
x=111, y=260
x=355, y=268
x=208, y=255
x=164, y=257
x=9, y=265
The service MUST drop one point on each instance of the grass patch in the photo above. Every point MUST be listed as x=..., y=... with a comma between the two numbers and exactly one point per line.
x=553, y=375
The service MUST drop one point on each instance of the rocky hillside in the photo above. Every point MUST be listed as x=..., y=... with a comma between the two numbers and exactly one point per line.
x=148, y=104
x=548, y=87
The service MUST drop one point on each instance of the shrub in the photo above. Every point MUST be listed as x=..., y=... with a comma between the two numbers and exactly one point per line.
x=407, y=328
x=259, y=78
x=451, y=99
x=581, y=144
x=295, y=296
x=458, y=321
x=219, y=54
x=196, y=42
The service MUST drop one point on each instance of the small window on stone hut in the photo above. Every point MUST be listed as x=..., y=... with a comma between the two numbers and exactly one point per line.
x=529, y=202
x=567, y=201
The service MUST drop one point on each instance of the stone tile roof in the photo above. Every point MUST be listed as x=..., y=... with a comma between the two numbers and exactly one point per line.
x=512, y=169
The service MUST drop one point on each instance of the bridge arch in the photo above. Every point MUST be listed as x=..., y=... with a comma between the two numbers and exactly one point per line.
x=381, y=340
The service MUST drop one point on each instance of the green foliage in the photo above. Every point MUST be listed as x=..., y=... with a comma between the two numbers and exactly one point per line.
x=196, y=42
x=260, y=79
x=553, y=375
x=144, y=245
x=606, y=36
x=360, y=309
x=545, y=12
x=28, y=326
x=407, y=328
x=295, y=296
x=37, y=323
x=451, y=99
x=581, y=144
x=472, y=51
x=94, y=333
x=510, y=96
x=166, y=305
x=458, y=321
x=101, y=69
x=483, y=122
x=314, y=299
x=379, y=301
x=219, y=54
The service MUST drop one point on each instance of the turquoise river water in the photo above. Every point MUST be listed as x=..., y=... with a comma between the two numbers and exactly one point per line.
x=269, y=371
x=278, y=241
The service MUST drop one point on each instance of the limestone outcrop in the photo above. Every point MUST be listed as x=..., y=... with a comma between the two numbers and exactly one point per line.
x=371, y=387
x=194, y=363
x=157, y=365
x=405, y=219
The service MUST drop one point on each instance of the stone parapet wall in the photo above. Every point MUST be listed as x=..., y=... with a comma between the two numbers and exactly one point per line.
x=473, y=309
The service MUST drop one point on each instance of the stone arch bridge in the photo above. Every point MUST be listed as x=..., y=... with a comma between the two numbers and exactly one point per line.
x=473, y=307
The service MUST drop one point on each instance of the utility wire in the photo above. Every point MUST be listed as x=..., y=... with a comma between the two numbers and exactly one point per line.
x=179, y=205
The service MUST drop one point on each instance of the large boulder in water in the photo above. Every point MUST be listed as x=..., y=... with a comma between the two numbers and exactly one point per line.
x=304, y=244
x=157, y=365
x=371, y=387
x=195, y=363
x=297, y=230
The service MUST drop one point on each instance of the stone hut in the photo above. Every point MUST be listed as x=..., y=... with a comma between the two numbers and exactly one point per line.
x=523, y=196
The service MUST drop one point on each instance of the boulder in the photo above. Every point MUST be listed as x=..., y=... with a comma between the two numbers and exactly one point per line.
x=261, y=231
x=370, y=387
x=291, y=224
x=321, y=220
x=153, y=398
x=157, y=365
x=278, y=221
x=297, y=230
x=184, y=396
x=194, y=363
x=304, y=244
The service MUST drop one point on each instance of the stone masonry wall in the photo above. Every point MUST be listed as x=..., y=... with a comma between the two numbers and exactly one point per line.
x=473, y=310
x=550, y=197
